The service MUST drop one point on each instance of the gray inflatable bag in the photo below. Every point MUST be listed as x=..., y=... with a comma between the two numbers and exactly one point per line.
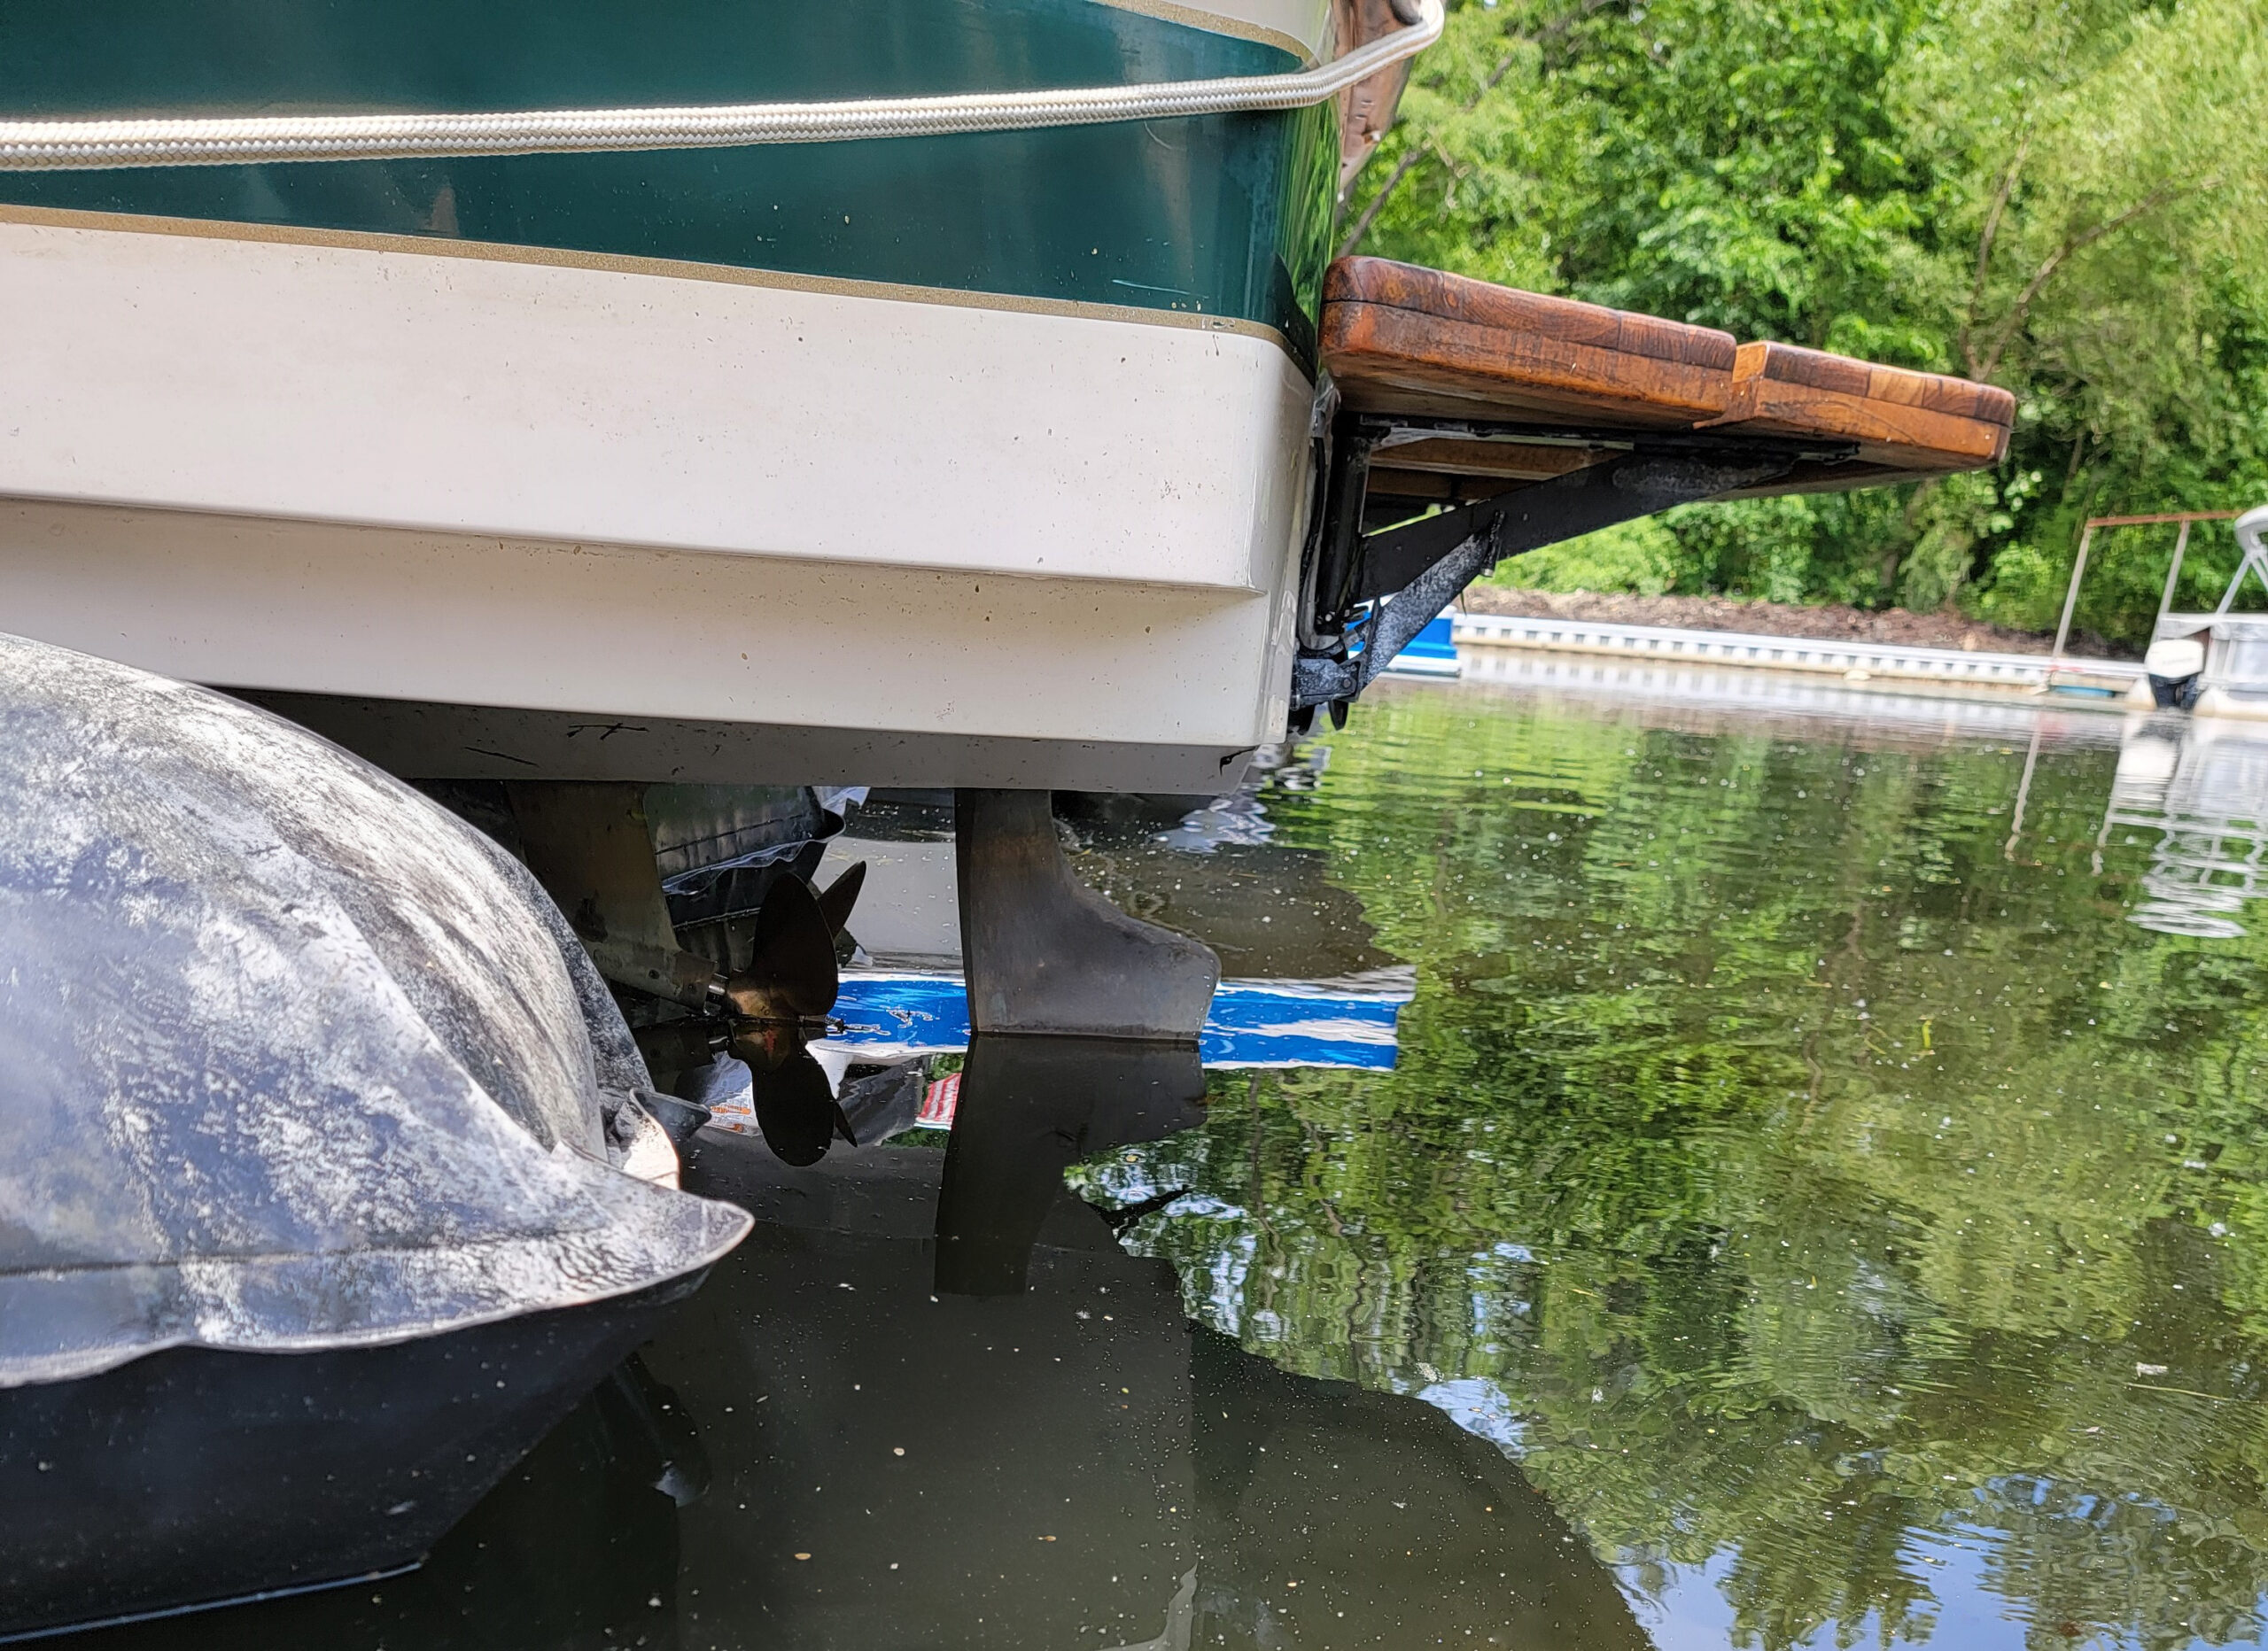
x=290, y=1059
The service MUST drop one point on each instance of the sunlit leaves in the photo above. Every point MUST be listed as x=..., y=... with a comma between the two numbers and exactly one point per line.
x=2066, y=197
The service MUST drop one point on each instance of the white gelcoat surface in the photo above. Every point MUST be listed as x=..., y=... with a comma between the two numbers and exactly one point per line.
x=610, y=632
x=466, y=393
x=560, y=489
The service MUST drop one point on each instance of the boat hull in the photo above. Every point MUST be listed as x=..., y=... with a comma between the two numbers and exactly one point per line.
x=980, y=460
x=195, y=1476
x=1225, y=215
x=872, y=537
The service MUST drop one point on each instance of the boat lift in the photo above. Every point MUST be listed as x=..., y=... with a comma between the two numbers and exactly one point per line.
x=2169, y=627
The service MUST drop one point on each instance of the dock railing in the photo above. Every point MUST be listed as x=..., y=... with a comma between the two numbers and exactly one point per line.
x=1851, y=659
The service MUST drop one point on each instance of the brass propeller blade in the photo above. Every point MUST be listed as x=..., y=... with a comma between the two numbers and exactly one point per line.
x=792, y=975
x=841, y=896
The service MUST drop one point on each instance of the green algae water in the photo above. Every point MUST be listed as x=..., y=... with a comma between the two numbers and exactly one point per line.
x=1809, y=1155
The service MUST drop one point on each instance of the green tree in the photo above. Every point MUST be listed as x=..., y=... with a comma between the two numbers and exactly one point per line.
x=2066, y=197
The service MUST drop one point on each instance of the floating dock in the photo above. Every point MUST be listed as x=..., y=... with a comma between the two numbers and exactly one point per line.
x=1856, y=663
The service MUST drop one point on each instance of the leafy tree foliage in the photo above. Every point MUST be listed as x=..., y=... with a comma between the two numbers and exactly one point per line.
x=2068, y=197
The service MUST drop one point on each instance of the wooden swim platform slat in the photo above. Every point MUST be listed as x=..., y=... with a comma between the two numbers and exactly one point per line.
x=1401, y=339
x=1424, y=344
x=1900, y=419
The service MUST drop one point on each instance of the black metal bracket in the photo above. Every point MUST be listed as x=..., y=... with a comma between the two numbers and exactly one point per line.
x=1406, y=574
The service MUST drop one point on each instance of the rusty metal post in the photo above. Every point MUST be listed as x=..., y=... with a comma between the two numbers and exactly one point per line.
x=2071, y=602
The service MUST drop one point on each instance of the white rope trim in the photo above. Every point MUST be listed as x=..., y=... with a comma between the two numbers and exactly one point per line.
x=86, y=145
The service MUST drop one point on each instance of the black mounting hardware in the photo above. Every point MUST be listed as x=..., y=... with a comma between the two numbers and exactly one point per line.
x=1405, y=574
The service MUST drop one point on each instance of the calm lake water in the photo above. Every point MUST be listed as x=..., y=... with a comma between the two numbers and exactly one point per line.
x=1818, y=1198
x=1848, y=1215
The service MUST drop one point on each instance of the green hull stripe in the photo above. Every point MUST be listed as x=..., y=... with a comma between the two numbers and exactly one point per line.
x=1224, y=216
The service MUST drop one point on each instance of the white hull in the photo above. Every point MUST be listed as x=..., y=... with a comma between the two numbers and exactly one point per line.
x=483, y=501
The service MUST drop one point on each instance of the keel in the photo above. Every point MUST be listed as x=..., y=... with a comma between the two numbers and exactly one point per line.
x=1045, y=954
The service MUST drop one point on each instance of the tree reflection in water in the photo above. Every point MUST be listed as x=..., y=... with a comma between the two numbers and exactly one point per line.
x=1802, y=1177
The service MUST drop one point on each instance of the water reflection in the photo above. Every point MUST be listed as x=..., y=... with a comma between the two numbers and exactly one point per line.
x=2200, y=785
x=939, y=1405
x=1805, y=1208
x=889, y=1015
x=1035, y=1448
x=1029, y=1108
x=1851, y=1223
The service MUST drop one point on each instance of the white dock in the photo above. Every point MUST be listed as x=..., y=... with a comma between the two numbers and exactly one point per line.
x=1853, y=661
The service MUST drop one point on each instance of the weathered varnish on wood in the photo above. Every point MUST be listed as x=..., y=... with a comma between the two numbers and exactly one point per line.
x=1399, y=339
x=1900, y=419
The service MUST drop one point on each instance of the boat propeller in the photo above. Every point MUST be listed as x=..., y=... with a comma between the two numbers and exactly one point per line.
x=840, y=897
x=767, y=1014
x=782, y=1000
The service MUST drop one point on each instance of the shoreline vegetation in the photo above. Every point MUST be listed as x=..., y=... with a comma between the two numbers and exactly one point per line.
x=2065, y=197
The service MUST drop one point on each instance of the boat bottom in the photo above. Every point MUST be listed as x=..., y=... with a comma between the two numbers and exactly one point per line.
x=423, y=740
x=196, y=1476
